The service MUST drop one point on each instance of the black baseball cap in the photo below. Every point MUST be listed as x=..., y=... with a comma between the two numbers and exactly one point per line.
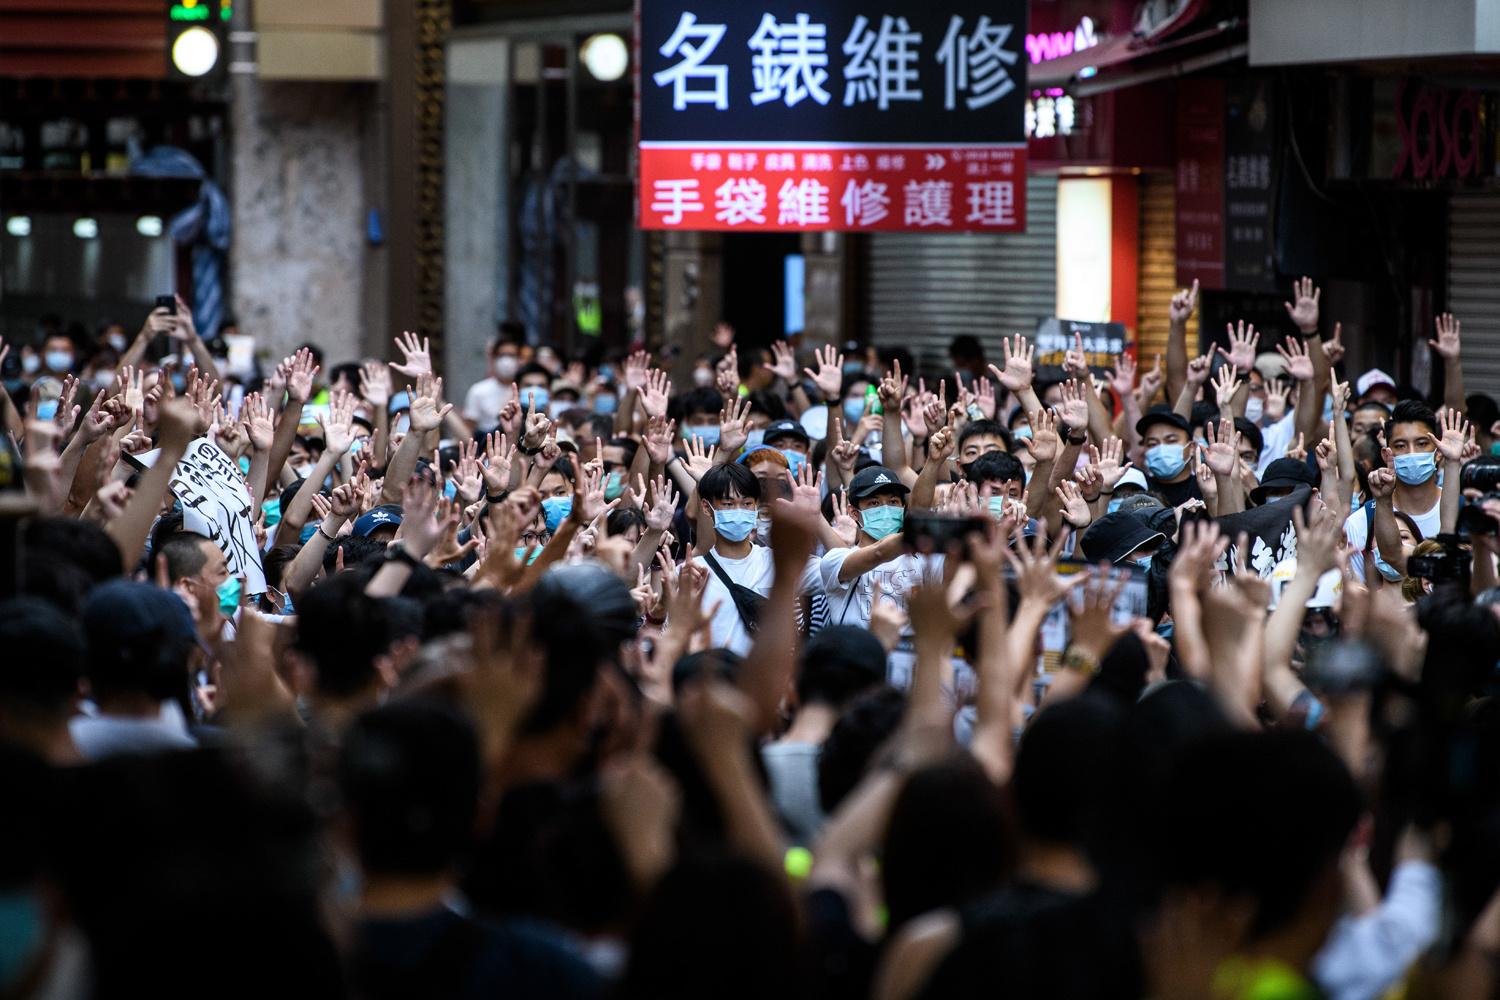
x=1284, y=473
x=1162, y=415
x=875, y=479
x=783, y=428
x=1115, y=536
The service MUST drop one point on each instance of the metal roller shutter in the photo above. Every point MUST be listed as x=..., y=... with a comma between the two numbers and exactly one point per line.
x=923, y=289
x=1473, y=292
x=1157, y=276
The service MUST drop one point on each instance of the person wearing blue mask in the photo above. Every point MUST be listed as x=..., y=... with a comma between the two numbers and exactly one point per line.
x=556, y=488
x=1124, y=538
x=1408, y=483
x=198, y=572
x=533, y=388
x=700, y=415
x=791, y=439
x=1168, y=440
x=877, y=563
x=1131, y=483
x=740, y=572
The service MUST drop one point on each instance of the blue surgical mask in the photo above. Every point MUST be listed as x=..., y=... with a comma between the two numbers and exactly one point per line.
x=535, y=394
x=31, y=364
x=521, y=554
x=1113, y=505
x=244, y=464
x=59, y=361
x=879, y=522
x=1145, y=563
x=755, y=438
x=403, y=423
x=854, y=409
x=1387, y=571
x=229, y=595
x=47, y=410
x=272, y=511
x=1416, y=468
x=1165, y=461
x=614, y=485
x=1021, y=432
x=794, y=460
x=709, y=434
x=997, y=508
x=358, y=445
x=450, y=489
x=555, y=510
x=606, y=403
x=734, y=525
x=179, y=382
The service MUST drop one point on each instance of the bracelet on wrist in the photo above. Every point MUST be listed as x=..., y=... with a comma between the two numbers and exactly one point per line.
x=396, y=552
x=523, y=449
x=331, y=538
x=496, y=497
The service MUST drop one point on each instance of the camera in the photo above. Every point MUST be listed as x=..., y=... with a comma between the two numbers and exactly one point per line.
x=1474, y=520
x=1450, y=565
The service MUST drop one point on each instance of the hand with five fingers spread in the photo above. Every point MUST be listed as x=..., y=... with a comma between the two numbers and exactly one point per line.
x=1242, y=344
x=829, y=376
x=417, y=354
x=1447, y=342
x=1304, y=312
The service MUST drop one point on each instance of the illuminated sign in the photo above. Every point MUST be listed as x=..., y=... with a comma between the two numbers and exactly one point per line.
x=1048, y=45
x=1050, y=113
x=199, y=10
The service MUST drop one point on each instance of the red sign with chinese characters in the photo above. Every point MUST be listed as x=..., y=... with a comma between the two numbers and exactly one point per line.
x=868, y=188
x=1200, y=184
x=909, y=118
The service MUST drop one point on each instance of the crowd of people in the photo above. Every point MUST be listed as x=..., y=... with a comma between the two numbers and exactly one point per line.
x=786, y=672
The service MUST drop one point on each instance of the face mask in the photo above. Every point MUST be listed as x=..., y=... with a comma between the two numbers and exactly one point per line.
x=554, y=510
x=244, y=466
x=521, y=554
x=709, y=435
x=229, y=594
x=103, y=379
x=21, y=935
x=59, y=361
x=1254, y=409
x=403, y=423
x=283, y=604
x=506, y=366
x=1113, y=505
x=880, y=522
x=558, y=408
x=614, y=485
x=703, y=376
x=1416, y=468
x=1021, y=432
x=1145, y=563
x=854, y=409
x=308, y=530
x=118, y=342
x=179, y=382
x=47, y=410
x=301, y=471
x=756, y=438
x=997, y=507
x=31, y=364
x=1165, y=461
x=606, y=403
x=534, y=394
x=734, y=525
x=272, y=511
x=1388, y=571
x=450, y=489
x=794, y=460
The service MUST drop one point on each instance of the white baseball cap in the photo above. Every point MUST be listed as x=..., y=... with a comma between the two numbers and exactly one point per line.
x=1371, y=379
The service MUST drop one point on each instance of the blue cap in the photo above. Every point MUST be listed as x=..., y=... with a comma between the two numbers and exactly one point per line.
x=378, y=517
x=121, y=610
x=400, y=401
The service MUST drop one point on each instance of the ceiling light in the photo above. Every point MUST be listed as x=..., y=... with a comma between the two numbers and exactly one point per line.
x=605, y=56
x=18, y=225
x=85, y=228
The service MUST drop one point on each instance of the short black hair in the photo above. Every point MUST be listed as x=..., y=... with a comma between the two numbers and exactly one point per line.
x=509, y=332
x=983, y=428
x=863, y=727
x=702, y=399
x=349, y=370
x=1063, y=770
x=314, y=350
x=44, y=657
x=996, y=467
x=1482, y=410
x=622, y=519
x=357, y=551
x=1411, y=411
x=722, y=481
x=185, y=555
x=168, y=525
x=342, y=631
x=532, y=368
x=409, y=777
x=965, y=346
x=838, y=663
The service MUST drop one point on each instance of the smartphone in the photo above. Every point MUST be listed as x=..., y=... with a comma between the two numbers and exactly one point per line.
x=167, y=302
x=940, y=534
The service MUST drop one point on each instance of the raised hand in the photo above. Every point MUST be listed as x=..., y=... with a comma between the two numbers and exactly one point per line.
x=338, y=424
x=1242, y=344
x=734, y=425
x=637, y=369
x=1447, y=342
x=1122, y=378
x=660, y=432
x=588, y=495
x=1327, y=451
x=1333, y=349
x=984, y=398
x=1017, y=374
x=663, y=505
x=420, y=530
x=1111, y=461
x=1043, y=443
x=1223, y=448
x=300, y=376
x=844, y=525
x=375, y=384
x=1090, y=479
x=1304, y=311
x=655, y=394
x=829, y=377
x=499, y=455
x=1278, y=399
x=893, y=389
x=417, y=354
x=203, y=393
x=1299, y=365
x=1298, y=449
x=700, y=457
x=1199, y=548
x=537, y=425
x=1076, y=360
x=1225, y=385
x=1183, y=304
x=131, y=388
x=424, y=413
x=1091, y=613
x=344, y=501
x=1455, y=435
x=1035, y=566
x=1151, y=383
x=260, y=426
x=1197, y=370
x=468, y=477
x=1074, y=409
x=727, y=374
x=844, y=453
x=783, y=362
x=1204, y=476
x=1075, y=509
x=1382, y=482
x=1318, y=542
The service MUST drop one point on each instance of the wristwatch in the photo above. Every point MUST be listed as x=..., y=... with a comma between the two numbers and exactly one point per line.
x=521, y=447
x=396, y=552
x=1080, y=439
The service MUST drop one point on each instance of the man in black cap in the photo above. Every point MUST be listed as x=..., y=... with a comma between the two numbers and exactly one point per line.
x=1282, y=477
x=878, y=558
x=1168, y=440
x=1124, y=537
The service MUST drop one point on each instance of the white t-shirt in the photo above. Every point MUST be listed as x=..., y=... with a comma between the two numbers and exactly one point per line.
x=1275, y=440
x=756, y=571
x=849, y=603
x=483, y=402
x=1356, y=529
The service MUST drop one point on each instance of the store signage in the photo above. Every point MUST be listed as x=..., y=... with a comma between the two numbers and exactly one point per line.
x=1249, y=183
x=1103, y=343
x=832, y=116
x=1048, y=45
x=199, y=10
x=1050, y=113
x=1441, y=131
x=1200, y=184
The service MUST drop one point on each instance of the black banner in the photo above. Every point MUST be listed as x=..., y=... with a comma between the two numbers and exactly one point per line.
x=828, y=71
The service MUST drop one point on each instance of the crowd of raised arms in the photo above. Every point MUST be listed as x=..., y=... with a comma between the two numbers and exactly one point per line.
x=819, y=677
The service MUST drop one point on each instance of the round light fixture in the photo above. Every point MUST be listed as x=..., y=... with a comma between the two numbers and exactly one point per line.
x=605, y=56
x=149, y=226
x=18, y=225
x=85, y=228
x=195, y=52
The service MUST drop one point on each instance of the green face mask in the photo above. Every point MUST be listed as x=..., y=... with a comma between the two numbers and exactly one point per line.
x=521, y=553
x=880, y=522
x=229, y=595
x=614, y=485
x=272, y=510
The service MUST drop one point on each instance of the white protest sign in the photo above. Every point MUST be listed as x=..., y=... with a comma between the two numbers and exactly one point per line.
x=216, y=503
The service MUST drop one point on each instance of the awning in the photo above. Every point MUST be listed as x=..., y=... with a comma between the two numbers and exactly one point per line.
x=1086, y=70
x=1086, y=63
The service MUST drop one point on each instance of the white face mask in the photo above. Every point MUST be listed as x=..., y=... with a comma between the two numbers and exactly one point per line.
x=1254, y=408
x=703, y=376
x=506, y=366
